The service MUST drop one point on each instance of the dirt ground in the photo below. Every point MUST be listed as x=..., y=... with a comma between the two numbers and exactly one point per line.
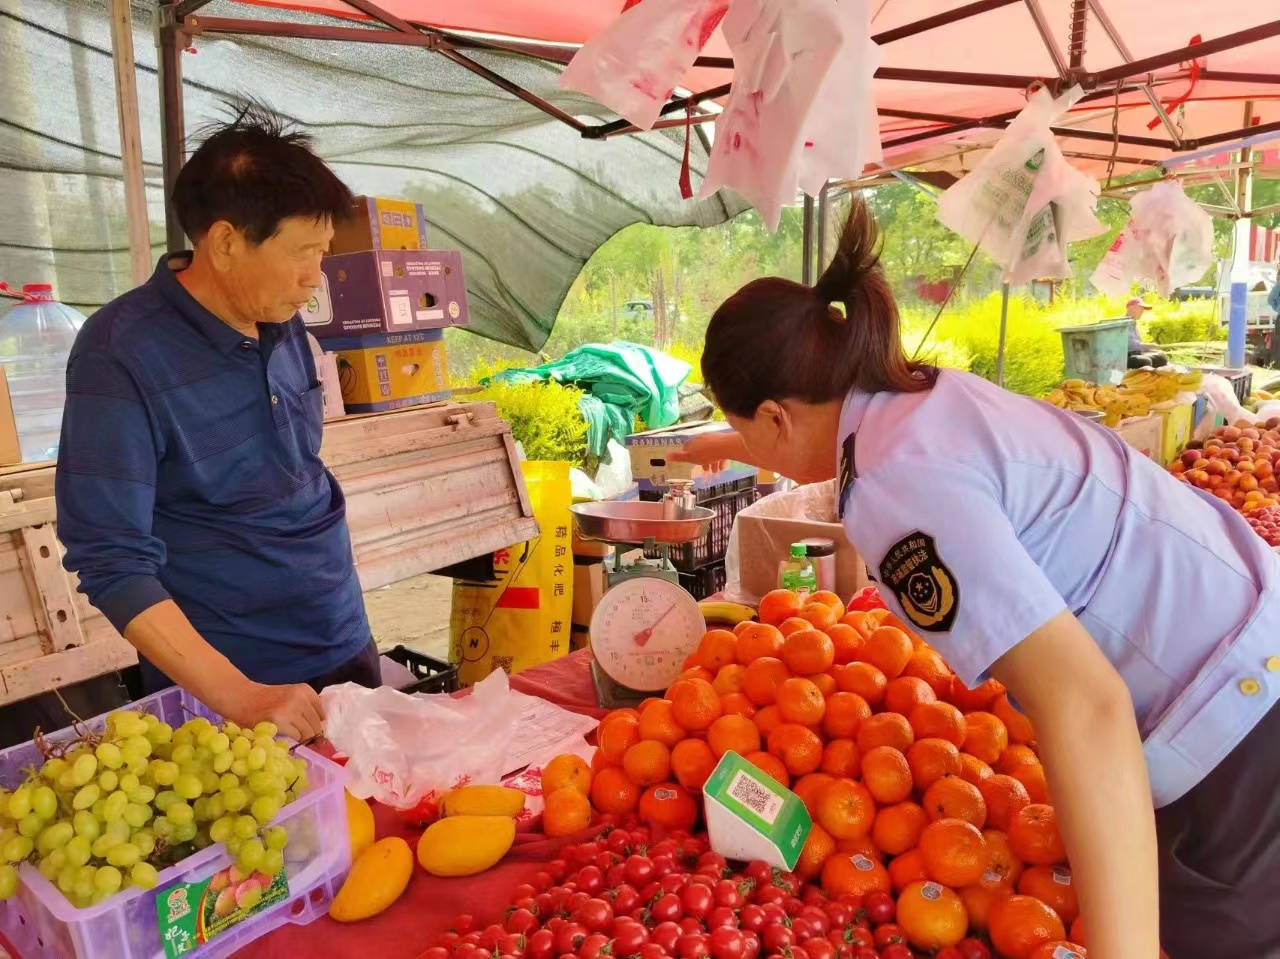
x=413, y=613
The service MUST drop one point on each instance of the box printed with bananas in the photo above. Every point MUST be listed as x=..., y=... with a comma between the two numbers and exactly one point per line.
x=1137, y=393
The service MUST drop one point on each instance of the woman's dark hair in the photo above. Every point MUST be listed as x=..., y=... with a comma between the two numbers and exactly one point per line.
x=775, y=339
x=254, y=171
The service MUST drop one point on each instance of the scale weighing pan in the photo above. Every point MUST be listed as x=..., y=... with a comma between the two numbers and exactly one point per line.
x=640, y=522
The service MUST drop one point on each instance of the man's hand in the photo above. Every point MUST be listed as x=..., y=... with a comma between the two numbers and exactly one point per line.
x=295, y=709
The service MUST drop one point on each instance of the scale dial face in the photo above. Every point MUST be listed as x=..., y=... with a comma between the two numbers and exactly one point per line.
x=643, y=630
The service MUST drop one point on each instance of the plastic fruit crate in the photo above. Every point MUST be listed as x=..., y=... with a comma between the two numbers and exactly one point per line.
x=433, y=675
x=1241, y=380
x=40, y=923
x=704, y=582
x=727, y=500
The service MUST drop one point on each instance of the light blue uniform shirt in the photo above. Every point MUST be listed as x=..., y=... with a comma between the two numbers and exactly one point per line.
x=982, y=515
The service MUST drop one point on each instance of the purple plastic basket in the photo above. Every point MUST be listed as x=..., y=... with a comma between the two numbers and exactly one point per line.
x=41, y=923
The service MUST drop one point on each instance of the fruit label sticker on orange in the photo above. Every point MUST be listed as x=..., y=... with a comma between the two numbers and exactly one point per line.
x=751, y=816
x=862, y=863
x=922, y=582
x=931, y=891
x=1066, y=952
x=1061, y=876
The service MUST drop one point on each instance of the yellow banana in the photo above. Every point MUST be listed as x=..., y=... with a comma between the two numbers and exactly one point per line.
x=721, y=613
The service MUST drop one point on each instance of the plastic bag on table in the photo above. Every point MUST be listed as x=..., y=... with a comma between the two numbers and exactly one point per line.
x=1223, y=399
x=783, y=51
x=613, y=478
x=403, y=748
x=1024, y=203
x=634, y=64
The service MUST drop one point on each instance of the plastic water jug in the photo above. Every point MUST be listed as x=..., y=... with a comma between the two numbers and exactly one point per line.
x=35, y=340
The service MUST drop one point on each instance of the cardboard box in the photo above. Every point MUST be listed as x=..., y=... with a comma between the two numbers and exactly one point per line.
x=388, y=291
x=391, y=371
x=1176, y=419
x=651, y=469
x=380, y=224
x=750, y=816
x=10, y=451
x=764, y=531
x=1144, y=433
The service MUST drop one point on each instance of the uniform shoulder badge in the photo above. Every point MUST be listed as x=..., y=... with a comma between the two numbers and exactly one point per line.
x=848, y=472
x=922, y=582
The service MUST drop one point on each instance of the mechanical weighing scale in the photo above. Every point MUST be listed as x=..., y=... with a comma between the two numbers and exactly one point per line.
x=645, y=625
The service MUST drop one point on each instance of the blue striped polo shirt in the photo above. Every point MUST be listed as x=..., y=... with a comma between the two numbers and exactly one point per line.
x=189, y=468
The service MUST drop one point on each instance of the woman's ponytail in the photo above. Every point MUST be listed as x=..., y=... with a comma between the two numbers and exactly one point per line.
x=775, y=339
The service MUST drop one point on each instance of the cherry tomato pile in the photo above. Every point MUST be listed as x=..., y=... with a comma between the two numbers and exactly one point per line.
x=630, y=895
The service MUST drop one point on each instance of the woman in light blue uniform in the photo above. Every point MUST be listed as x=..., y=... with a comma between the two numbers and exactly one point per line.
x=1133, y=618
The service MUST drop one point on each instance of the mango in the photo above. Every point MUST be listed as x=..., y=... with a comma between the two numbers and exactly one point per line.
x=483, y=801
x=359, y=825
x=378, y=879
x=465, y=845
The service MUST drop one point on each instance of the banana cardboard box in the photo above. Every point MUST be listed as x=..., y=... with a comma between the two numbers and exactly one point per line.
x=389, y=371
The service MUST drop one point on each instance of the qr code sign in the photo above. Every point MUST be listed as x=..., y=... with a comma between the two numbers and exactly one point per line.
x=755, y=797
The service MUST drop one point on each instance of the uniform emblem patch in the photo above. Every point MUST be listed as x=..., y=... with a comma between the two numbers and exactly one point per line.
x=922, y=582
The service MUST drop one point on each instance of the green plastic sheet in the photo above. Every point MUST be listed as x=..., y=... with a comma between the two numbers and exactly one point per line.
x=621, y=381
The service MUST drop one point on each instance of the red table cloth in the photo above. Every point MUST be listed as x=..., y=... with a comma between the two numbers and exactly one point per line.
x=429, y=905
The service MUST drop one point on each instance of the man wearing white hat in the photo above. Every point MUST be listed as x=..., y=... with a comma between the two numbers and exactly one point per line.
x=1141, y=355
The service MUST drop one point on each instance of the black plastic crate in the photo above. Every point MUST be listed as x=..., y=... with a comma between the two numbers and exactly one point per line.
x=705, y=581
x=727, y=500
x=433, y=675
x=1241, y=380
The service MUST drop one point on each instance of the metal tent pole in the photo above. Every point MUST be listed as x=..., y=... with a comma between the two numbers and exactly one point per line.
x=1237, y=317
x=824, y=204
x=1004, y=325
x=806, y=270
x=169, y=46
x=135, y=189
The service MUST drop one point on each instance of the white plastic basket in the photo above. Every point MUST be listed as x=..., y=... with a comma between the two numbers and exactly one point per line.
x=41, y=923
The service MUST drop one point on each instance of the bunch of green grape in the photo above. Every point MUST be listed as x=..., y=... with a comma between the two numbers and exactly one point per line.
x=112, y=812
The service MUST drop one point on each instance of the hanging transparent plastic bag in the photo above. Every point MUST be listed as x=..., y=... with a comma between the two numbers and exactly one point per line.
x=634, y=64
x=402, y=749
x=783, y=52
x=1024, y=203
x=1167, y=243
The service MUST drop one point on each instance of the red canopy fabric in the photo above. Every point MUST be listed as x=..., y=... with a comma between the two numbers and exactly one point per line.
x=1003, y=41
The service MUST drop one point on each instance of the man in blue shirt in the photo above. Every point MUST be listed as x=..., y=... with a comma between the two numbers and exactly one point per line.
x=192, y=500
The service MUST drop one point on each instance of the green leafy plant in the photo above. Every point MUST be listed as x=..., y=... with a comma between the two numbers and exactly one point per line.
x=544, y=417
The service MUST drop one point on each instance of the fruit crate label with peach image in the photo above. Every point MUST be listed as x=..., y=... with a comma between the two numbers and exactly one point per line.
x=193, y=913
x=751, y=816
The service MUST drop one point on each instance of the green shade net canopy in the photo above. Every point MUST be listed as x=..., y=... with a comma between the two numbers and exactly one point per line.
x=524, y=197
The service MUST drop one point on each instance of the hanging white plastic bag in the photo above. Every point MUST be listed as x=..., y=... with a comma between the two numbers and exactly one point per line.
x=783, y=51
x=1024, y=203
x=401, y=749
x=842, y=132
x=634, y=64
